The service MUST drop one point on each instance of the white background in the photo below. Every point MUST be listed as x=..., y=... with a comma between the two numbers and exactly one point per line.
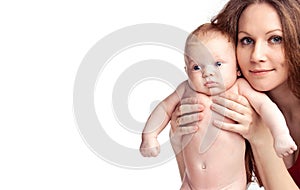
x=41, y=47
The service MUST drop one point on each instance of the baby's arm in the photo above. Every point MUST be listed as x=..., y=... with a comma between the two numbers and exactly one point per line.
x=157, y=121
x=272, y=116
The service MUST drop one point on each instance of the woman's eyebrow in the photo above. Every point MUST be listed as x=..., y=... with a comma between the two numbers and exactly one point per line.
x=275, y=30
x=243, y=32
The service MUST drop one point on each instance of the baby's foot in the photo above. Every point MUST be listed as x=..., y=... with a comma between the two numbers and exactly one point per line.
x=284, y=145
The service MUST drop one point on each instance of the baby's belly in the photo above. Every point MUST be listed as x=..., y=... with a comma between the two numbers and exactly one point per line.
x=221, y=165
x=214, y=159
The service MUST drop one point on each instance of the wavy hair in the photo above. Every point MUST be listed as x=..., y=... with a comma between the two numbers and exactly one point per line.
x=289, y=14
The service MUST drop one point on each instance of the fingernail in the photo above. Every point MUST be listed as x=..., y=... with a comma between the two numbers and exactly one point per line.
x=214, y=99
x=212, y=106
x=217, y=123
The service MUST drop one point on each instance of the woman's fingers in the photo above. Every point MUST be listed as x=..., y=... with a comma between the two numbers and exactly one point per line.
x=188, y=119
x=233, y=106
x=236, y=103
x=228, y=113
x=187, y=130
x=180, y=131
x=238, y=109
x=190, y=100
x=190, y=105
x=231, y=127
x=189, y=111
x=183, y=121
x=189, y=108
x=236, y=98
x=176, y=136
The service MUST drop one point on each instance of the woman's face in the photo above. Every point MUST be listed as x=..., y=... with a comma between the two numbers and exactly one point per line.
x=260, y=50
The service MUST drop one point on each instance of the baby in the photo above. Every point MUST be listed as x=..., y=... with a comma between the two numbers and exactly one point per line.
x=213, y=158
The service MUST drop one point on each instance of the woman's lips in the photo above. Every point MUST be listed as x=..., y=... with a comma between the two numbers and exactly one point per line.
x=261, y=72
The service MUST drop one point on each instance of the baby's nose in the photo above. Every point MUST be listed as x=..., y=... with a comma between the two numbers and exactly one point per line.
x=208, y=70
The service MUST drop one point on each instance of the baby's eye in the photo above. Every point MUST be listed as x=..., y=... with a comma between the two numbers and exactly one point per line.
x=246, y=41
x=218, y=63
x=197, y=68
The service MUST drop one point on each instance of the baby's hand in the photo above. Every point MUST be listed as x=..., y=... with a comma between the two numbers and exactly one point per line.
x=284, y=145
x=150, y=147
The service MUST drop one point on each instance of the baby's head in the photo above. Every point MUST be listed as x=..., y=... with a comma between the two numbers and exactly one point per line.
x=210, y=60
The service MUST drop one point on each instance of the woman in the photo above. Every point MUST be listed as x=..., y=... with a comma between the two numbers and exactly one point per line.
x=267, y=37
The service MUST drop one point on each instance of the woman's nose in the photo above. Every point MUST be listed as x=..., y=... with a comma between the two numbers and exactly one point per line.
x=259, y=52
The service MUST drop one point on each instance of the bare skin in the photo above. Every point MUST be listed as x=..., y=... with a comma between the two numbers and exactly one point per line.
x=201, y=152
x=262, y=62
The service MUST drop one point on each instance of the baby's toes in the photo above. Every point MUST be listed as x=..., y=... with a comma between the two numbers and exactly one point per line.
x=286, y=154
x=294, y=147
x=291, y=151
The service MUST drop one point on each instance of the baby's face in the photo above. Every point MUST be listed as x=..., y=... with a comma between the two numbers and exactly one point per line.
x=211, y=65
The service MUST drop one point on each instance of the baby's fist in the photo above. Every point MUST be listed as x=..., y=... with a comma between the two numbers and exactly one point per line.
x=150, y=147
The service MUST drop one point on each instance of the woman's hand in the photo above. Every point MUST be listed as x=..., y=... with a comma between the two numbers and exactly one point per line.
x=184, y=121
x=250, y=126
x=237, y=108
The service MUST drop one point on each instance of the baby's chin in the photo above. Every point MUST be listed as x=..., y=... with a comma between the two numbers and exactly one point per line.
x=210, y=91
x=215, y=91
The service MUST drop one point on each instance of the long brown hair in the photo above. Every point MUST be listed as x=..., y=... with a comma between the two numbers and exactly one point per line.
x=289, y=13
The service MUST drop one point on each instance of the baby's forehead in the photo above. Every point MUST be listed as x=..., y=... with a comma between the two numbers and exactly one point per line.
x=207, y=42
x=206, y=35
x=198, y=53
x=196, y=50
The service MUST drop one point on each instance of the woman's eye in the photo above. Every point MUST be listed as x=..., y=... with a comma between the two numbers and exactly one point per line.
x=218, y=63
x=197, y=68
x=275, y=39
x=246, y=41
